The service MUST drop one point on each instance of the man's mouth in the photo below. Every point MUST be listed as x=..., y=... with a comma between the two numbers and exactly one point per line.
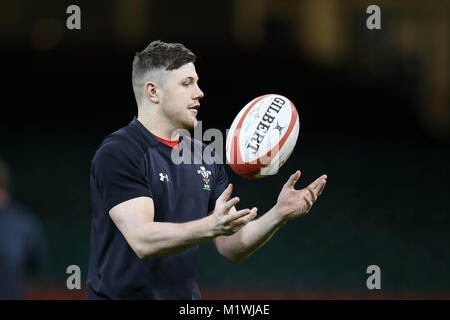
x=194, y=109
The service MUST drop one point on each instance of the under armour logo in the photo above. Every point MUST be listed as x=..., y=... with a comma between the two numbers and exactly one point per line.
x=163, y=176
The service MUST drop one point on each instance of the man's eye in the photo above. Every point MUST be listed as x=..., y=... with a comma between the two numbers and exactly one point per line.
x=186, y=84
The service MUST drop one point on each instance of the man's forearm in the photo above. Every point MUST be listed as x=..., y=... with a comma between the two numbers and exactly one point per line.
x=156, y=239
x=255, y=234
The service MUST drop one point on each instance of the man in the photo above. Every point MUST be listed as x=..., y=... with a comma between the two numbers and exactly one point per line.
x=23, y=248
x=150, y=214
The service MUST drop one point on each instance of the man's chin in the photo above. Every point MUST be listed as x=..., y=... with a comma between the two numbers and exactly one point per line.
x=190, y=125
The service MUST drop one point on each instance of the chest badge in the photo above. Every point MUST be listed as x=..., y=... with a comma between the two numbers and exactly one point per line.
x=205, y=174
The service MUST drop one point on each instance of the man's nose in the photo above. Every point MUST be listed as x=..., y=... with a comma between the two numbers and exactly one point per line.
x=199, y=93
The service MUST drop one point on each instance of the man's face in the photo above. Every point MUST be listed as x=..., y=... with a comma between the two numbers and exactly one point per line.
x=180, y=97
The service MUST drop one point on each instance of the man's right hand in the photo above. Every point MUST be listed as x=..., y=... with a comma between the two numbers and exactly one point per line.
x=225, y=219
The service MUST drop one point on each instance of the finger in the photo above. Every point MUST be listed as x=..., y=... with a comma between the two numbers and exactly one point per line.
x=253, y=214
x=322, y=186
x=226, y=193
x=312, y=193
x=239, y=214
x=309, y=204
x=242, y=222
x=293, y=179
x=247, y=218
x=231, y=203
x=315, y=185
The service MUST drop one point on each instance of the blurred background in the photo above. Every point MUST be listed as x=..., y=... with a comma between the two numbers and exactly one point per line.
x=374, y=109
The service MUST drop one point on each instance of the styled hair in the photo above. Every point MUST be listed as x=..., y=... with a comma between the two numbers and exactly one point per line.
x=5, y=177
x=158, y=55
x=161, y=55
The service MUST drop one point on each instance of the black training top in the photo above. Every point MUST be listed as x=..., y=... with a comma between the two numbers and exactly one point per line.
x=130, y=163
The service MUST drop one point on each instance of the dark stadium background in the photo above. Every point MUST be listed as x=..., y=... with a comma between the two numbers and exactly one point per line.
x=374, y=109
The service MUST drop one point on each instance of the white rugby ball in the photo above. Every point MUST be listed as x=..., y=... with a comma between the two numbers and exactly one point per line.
x=262, y=136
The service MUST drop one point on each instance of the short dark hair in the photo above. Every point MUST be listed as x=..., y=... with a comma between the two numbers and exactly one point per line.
x=5, y=177
x=159, y=54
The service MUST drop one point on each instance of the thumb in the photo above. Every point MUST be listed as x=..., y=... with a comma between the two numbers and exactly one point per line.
x=293, y=179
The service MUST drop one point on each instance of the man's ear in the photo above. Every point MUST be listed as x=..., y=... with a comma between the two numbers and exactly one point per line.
x=152, y=92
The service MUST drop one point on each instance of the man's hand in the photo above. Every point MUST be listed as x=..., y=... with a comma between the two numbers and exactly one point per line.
x=293, y=203
x=226, y=220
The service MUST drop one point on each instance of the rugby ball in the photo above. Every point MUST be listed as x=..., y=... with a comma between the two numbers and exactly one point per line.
x=262, y=136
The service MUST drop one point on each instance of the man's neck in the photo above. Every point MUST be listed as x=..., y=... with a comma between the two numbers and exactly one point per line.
x=158, y=128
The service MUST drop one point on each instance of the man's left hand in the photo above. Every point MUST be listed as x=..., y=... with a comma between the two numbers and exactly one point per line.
x=293, y=203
